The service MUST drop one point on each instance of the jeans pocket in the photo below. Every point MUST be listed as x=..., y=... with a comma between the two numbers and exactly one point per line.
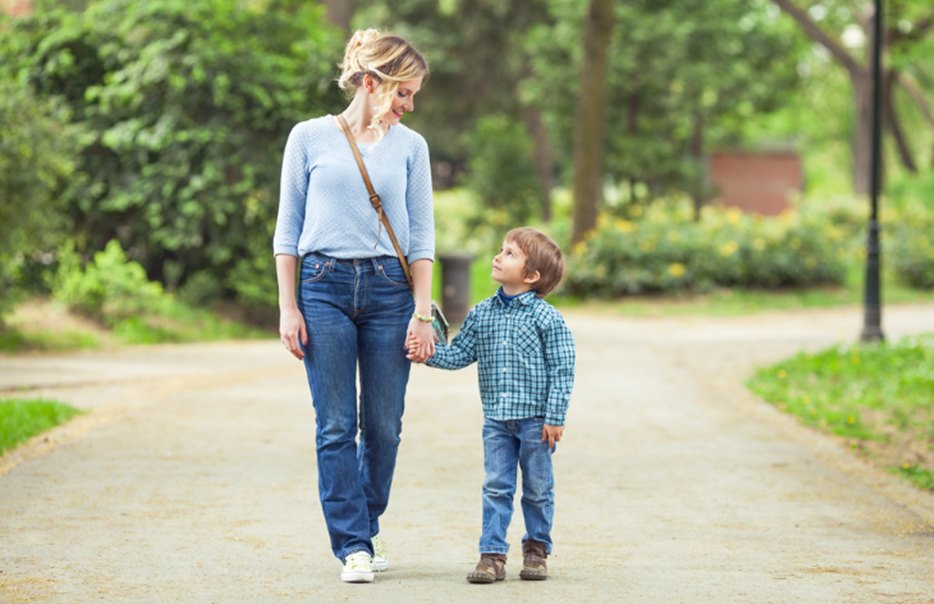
x=392, y=273
x=314, y=269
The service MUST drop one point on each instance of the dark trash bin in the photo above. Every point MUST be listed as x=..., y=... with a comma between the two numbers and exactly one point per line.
x=455, y=285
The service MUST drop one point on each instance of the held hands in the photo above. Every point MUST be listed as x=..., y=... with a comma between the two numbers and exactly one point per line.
x=292, y=330
x=420, y=341
x=552, y=434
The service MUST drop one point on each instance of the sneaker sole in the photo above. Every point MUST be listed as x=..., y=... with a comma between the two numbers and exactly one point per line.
x=357, y=577
x=380, y=566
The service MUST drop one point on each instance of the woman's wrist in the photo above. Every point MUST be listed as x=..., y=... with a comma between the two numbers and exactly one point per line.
x=423, y=318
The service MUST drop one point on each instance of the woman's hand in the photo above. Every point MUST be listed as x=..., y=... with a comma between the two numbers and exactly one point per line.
x=292, y=330
x=420, y=341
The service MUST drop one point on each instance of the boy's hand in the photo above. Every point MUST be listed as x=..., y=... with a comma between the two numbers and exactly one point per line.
x=412, y=349
x=552, y=434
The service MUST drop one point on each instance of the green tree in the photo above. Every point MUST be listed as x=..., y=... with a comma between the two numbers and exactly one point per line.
x=35, y=164
x=683, y=77
x=479, y=63
x=843, y=29
x=189, y=105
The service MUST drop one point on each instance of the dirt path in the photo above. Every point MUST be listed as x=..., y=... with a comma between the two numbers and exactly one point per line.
x=193, y=480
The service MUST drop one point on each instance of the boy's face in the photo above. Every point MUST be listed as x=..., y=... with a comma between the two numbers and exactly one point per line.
x=509, y=268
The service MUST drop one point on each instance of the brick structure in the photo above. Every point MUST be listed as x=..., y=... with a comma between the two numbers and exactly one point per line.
x=16, y=8
x=755, y=181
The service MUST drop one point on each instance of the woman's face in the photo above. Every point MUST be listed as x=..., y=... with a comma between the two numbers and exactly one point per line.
x=403, y=101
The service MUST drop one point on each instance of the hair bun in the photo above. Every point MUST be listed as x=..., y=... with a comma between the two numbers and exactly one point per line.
x=361, y=39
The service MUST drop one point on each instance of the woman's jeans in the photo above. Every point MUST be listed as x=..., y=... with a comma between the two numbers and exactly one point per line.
x=506, y=445
x=356, y=312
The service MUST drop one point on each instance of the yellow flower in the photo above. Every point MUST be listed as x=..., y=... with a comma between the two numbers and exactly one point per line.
x=676, y=270
x=850, y=419
x=624, y=226
x=759, y=244
x=782, y=374
x=733, y=216
x=580, y=248
x=589, y=235
x=729, y=248
x=636, y=210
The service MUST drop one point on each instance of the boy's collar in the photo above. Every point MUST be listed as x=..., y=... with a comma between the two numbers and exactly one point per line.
x=523, y=298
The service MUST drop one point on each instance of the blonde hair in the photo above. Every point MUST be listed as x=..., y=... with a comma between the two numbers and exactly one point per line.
x=389, y=58
x=542, y=254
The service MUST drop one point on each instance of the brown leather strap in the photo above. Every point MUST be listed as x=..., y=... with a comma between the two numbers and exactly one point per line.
x=374, y=199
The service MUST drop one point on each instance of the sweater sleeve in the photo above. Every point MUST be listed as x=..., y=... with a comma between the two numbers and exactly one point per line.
x=293, y=190
x=418, y=199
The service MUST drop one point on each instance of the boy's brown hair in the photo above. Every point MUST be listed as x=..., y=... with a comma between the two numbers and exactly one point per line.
x=542, y=254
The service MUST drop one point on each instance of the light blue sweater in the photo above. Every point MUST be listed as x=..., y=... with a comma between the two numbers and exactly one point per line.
x=324, y=206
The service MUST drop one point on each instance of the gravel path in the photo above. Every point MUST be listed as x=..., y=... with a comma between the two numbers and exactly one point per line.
x=192, y=480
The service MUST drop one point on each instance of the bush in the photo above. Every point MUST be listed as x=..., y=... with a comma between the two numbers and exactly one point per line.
x=665, y=250
x=501, y=172
x=908, y=247
x=187, y=106
x=35, y=162
x=110, y=289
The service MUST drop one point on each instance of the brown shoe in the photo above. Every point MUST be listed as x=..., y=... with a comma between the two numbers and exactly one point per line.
x=534, y=567
x=490, y=568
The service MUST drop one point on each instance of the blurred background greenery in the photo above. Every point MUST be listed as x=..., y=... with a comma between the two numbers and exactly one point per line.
x=140, y=145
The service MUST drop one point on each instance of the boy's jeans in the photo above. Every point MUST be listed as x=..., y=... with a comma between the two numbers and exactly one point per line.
x=355, y=311
x=507, y=444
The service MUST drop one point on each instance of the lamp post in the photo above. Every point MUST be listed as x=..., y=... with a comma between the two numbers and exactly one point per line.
x=872, y=315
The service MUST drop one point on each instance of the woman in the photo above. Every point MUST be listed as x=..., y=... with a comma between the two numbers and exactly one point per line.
x=353, y=305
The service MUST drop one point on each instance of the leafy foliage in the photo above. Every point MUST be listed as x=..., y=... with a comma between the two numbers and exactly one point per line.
x=678, y=87
x=911, y=249
x=188, y=106
x=35, y=162
x=666, y=250
x=109, y=289
x=501, y=172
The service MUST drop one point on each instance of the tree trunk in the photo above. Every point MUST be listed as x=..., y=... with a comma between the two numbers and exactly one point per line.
x=339, y=12
x=541, y=155
x=861, y=81
x=894, y=125
x=590, y=117
x=698, y=190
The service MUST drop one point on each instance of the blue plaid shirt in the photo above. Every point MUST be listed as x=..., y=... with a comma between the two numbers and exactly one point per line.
x=525, y=356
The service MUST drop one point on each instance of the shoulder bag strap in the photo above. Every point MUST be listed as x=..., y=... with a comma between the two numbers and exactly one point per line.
x=374, y=198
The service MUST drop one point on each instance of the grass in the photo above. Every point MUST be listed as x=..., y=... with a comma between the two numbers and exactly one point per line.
x=177, y=322
x=21, y=419
x=879, y=397
x=43, y=326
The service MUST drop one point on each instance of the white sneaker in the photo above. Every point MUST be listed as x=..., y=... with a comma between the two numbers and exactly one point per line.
x=358, y=568
x=380, y=555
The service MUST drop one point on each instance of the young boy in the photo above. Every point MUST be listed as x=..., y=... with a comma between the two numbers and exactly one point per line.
x=525, y=357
